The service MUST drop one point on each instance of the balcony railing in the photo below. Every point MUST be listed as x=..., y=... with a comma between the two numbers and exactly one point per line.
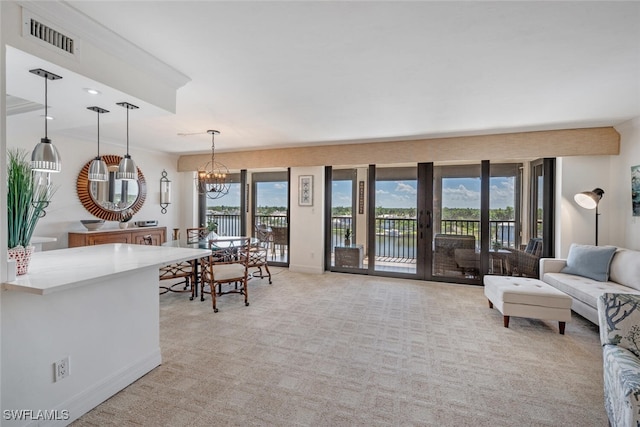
x=501, y=232
x=228, y=225
x=395, y=237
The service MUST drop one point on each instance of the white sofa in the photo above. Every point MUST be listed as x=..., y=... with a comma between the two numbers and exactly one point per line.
x=624, y=277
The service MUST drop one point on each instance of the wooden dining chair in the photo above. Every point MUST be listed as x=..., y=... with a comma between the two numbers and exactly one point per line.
x=259, y=251
x=182, y=270
x=226, y=269
x=194, y=235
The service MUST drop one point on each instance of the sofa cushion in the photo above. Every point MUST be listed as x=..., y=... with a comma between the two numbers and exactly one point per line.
x=584, y=289
x=590, y=261
x=625, y=268
x=619, y=321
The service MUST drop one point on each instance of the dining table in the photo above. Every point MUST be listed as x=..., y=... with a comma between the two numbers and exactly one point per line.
x=219, y=242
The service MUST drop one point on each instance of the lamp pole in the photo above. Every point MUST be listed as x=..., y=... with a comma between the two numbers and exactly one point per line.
x=597, y=225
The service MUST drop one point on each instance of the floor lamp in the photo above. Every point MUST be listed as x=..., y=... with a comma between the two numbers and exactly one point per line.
x=590, y=200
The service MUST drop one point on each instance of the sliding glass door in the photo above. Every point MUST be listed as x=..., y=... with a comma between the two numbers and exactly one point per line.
x=395, y=220
x=270, y=201
x=443, y=222
x=224, y=215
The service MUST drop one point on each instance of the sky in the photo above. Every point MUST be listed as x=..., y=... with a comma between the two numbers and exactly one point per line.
x=456, y=193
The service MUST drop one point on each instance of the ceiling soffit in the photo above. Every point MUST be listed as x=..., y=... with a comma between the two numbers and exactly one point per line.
x=522, y=145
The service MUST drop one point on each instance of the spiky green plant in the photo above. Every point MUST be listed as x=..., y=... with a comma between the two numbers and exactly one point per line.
x=26, y=199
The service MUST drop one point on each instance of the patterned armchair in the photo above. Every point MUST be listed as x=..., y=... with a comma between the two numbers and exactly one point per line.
x=619, y=321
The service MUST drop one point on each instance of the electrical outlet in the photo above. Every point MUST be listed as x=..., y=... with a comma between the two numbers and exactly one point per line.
x=61, y=369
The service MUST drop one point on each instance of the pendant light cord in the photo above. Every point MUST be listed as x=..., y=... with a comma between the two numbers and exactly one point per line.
x=46, y=114
x=98, y=134
x=127, y=131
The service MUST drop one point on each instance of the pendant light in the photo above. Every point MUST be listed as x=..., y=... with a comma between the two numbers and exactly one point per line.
x=98, y=168
x=45, y=156
x=212, y=177
x=127, y=169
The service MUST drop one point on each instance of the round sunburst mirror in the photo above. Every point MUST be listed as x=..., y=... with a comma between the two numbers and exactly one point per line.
x=114, y=199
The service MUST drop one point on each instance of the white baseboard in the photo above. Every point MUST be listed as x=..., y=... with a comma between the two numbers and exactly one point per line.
x=306, y=269
x=88, y=399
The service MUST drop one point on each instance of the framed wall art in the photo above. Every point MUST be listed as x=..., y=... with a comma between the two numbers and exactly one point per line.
x=305, y=190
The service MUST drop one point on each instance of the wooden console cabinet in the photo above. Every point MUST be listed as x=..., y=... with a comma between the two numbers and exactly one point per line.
x=134, y=235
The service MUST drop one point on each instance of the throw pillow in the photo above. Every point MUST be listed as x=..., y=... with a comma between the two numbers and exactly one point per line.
x=590, y=261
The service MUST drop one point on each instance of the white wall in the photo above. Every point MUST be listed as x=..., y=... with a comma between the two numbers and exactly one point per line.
x=625, y=229
x=611, y=173
x=306, y=226
x=573, y=223
x=66, y=210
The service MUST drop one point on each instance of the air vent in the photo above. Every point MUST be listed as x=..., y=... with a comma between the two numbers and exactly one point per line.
x=51, y=36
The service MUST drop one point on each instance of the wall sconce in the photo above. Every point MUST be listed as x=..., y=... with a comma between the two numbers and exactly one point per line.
x=590, y=200
x=165, y=192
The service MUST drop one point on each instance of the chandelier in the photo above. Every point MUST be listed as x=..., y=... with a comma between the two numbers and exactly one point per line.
x=212, y=177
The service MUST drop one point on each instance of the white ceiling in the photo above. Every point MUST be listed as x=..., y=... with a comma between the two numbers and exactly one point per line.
x=276, y=74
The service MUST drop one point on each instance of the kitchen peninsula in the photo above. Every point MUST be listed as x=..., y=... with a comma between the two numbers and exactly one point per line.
x=96, y=305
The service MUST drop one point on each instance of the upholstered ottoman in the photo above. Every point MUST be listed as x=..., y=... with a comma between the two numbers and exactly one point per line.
x=523, y=297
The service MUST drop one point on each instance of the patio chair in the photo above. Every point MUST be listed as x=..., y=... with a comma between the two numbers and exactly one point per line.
x=527, y=262
x=279, y=239
x=445, y=247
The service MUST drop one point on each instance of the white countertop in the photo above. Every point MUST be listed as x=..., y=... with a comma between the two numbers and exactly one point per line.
x=62, y=269
x=36, y=240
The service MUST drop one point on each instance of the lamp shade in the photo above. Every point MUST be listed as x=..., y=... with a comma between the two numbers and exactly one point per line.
x=45, y=157
x=127, y=169
x=589, y=199
x=98, y=170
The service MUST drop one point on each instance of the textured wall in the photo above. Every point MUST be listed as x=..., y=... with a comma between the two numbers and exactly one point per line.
x=525, y=145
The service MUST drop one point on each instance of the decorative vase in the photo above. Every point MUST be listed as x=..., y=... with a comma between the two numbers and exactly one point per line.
x=124, y=225
x=22, y=256
x=347, y=242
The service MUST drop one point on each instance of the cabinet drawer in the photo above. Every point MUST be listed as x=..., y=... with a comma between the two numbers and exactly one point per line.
x=131, y=236
x=157, y=237
x=102, y=239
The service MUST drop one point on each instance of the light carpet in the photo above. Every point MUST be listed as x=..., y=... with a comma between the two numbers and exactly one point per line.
x=351, y=350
